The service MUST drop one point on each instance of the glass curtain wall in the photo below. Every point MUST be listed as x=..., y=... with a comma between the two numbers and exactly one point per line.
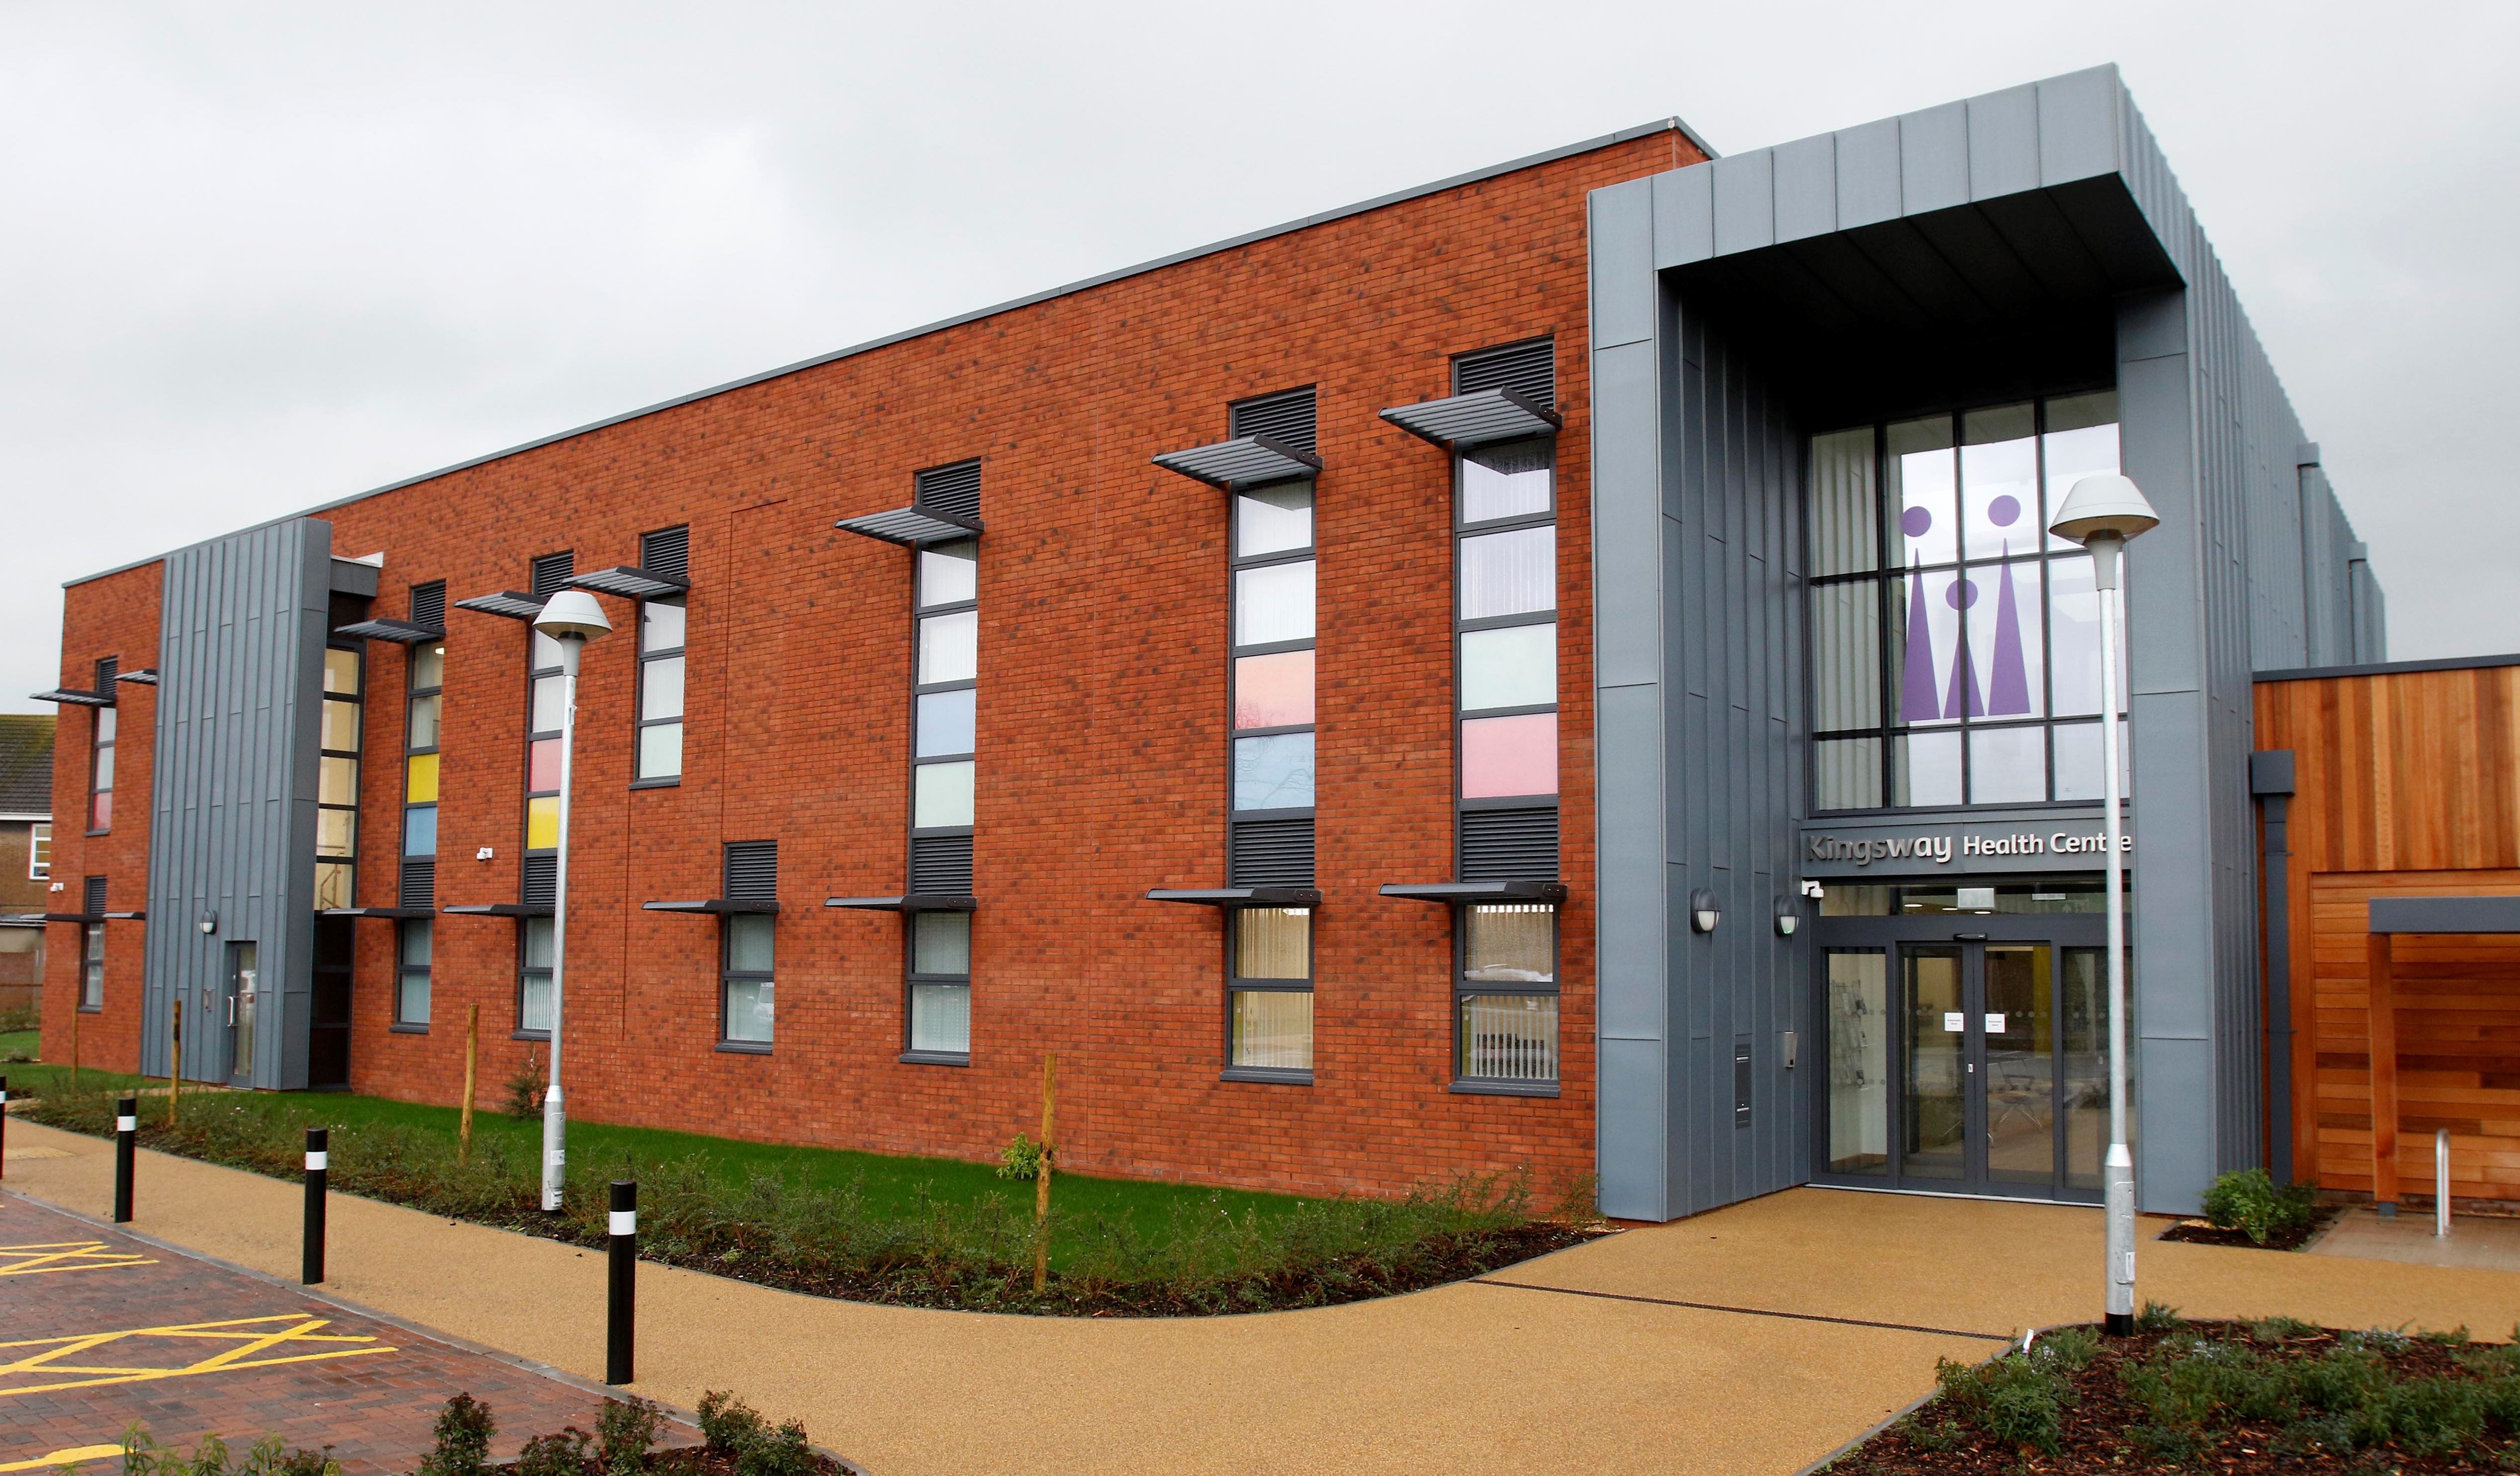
x=1955, y=645
x=337, y=787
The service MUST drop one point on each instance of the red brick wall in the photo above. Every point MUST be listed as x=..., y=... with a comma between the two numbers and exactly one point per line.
x=1103, y=723
x=113, y=617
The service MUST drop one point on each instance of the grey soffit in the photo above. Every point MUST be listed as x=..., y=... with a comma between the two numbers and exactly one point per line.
x=1052, y=295
x=912, y=527
x=912, y=901
x=496, y=910
x=2446, y=914
x=397, y=913
x=400, y=632
x=511, y=604
x=1477, y=420
x=147, y=676
x=631, y=583
x=1240, y=896
x=712, y=905
x=1455, y=892
x=72, y=696
x=1241, y=462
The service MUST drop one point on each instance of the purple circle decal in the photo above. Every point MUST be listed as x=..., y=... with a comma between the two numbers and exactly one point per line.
x=2003, y=511
x=1914, y=521
x=1961, y=595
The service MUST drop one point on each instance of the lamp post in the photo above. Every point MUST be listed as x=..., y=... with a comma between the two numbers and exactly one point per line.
x=2102, y=513
x=571, y=619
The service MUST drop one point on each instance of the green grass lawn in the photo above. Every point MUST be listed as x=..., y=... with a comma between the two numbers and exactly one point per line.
x=33, y=1077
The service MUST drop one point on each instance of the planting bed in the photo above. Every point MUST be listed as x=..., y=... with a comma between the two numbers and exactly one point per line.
x=2277, y=1396
x=2289, y=1237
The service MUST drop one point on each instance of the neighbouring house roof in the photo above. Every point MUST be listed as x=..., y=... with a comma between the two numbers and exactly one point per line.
x=26, y=763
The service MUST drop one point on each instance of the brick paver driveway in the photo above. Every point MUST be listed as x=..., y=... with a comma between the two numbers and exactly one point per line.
x=99, y=1330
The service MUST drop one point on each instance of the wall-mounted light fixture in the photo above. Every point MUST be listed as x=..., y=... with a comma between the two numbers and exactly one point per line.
x=1703, y=913
x=1790, y=916
x=210, y=922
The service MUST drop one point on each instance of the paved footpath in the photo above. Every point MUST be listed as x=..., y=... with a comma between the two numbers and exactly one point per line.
x=1755, y=1339
x=100, y=1331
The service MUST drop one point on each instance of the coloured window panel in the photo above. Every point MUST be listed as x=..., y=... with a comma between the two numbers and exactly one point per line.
x=942, y=795
x=1274, y=691
x=947, y=721
x=542, y=764
x=542, y=822
x=1275, y=520
x=661, y=688
x=420, y=778
x=1274, y=772
x=949, y=648
x=941, y=942
x=1512, y=666
x=940, y=1018
x=660, y=751
x=1509, y=574
x=1273, y=943
x=1273, y=602
x=1273, y=1029
x=420, y=830
x=1510, y=756
x=1509, y=480
x=948, y=574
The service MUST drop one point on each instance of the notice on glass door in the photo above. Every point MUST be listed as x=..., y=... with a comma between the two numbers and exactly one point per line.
x=1994, y=1024
x=1955, y=1020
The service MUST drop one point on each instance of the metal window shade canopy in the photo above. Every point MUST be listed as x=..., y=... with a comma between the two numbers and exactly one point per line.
x=497, y=910
x=1243, y=461
x=72, y=697
x=1477, y=420
x=631, y=583
x=914, y=902
x=397, y=913
x=1238, y=896
x=139, y=916
x=912, y=527
x=2446, y=914
x=400, y=632
x=511, y=604
x=712, y=905
x=1454, y=893
x=146, y=676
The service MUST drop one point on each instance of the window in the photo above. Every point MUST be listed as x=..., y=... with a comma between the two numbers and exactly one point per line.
x=1268, y=983
x=1506, y=622
x=546, y=700
x=661, y=631
x=1955, y=643
x=1273, y=681
x=336, y=781
x=534, y=976
x=413, y=939
x=100, y=783
x=424, y=726
x=940, y=985
x=39, y=851
x=746, y=1014
x=946, y=716
x=1507, y=994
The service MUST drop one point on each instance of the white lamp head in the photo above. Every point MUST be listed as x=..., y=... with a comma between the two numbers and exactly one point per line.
x=2106, y=506
x=572, y=612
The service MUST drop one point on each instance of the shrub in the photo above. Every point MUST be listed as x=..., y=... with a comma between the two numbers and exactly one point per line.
x=625, y=1432
x=463, y=1439
x=2158, y=1316
x=2018, y=1397
x=732, y=1427
x=522, y=1097
x=1021, y=1158
x=727, y=1424
x=561, y=1455
x=2249, y=1201
x=142, y=1456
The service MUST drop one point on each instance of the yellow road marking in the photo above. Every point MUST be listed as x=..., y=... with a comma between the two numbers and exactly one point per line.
x=64, y=1255
x=245, y=1338
x=63, y=1457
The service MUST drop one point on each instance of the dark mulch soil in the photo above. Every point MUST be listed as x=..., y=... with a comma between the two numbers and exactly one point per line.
x=2098, y=1432
x=688, y=1460
x=2198, y=1232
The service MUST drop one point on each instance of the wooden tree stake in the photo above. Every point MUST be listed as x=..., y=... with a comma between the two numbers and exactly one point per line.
x=1041, y=1177
x=472, y=1055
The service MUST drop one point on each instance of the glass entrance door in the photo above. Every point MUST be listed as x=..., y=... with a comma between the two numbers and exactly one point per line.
x=243, y=967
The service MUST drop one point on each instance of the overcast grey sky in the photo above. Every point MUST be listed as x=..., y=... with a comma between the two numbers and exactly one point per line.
x=261, y=257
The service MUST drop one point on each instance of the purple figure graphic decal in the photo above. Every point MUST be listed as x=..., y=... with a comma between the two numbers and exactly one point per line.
x=1917, y=701
x=2007, y=692
x=1964, y=694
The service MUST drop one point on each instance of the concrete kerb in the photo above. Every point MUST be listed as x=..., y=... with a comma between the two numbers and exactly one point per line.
x=688, y=1418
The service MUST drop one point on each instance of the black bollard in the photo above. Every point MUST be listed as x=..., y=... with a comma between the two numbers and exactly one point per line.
x=4, y=1127
x=621, y=1322
x=126, y=1143
x=310, y=1269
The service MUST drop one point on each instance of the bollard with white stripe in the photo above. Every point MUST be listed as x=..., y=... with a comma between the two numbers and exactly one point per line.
x=310, y=1269
x=126, y=1144
x=621, y=1320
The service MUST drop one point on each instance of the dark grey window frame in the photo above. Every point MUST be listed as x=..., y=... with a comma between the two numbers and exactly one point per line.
x=525, y=973
x=1889, y=583
x=1463, y=532
x=953, y=489
x=101, y=746
x=1236, y=984
x=1235, y=565
x=1464, y=988
x=641, y=722
x=911, y=978
x=413, y=691
x=404, y=973
x=357, y=699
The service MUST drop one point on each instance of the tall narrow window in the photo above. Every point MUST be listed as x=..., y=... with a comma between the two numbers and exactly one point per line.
x=1268, y=1016
x=661, y=625
x=534, y=976
x=940, y=985
x=39, y=851
x=424, y=723
x=1509, y=994
x=414, y=937
x=100, y=785
x=92, y=944
x=337, y=783
x=944, y=772
x=545, y=708
x=748, y=977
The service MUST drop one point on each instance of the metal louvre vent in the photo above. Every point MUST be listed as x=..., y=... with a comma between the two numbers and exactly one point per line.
x=419, y=883
x=95, y=898
x=106, y=671
x=542, y=881
x=751, y=870
x=551, y=573
x=429, y=604
x=667, y=551
x=1269, y=853
x=1287, y=417
x=940, y=865
x=1509, y=845
x=1530, y=368
x=954, y=490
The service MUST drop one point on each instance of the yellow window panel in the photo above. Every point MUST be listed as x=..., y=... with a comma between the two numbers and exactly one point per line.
x=421, y=789
x=542, y=822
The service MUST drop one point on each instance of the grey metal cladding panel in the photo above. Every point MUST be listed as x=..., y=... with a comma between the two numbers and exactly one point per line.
x=1629, y=849
x=1683, y=215
x=1627, y=518
x=2163, y=570
x=2079, y=125
x=2003, y=142
x=1621, y=239
x=2172, y=1167
x=1635, y=1130
x=1806, y=186
x=1867, y=175
x=1933, y=158
x=2174, y=846
x=1745, y=202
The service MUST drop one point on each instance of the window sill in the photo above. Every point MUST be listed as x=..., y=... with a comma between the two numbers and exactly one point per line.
x=743, y=1048
x=1265, y=1076
x=1504, y=1089
x=674, y=783
x=398, y=1027
x=91, y=1009
x=93, y=834
x=934, y=1058
x=529, y=1035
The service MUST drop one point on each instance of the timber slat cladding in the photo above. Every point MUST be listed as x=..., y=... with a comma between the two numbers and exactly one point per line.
x=2407, y=785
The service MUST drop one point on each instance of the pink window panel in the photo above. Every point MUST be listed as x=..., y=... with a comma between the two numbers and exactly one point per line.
x=542, y=765
x=1274, y=691
x=1516, y=755
x=101, y=812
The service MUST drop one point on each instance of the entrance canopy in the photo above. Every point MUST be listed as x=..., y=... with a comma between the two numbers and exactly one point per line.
x=2446, y=914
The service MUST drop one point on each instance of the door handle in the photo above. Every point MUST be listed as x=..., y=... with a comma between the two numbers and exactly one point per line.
x=232, y=1010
